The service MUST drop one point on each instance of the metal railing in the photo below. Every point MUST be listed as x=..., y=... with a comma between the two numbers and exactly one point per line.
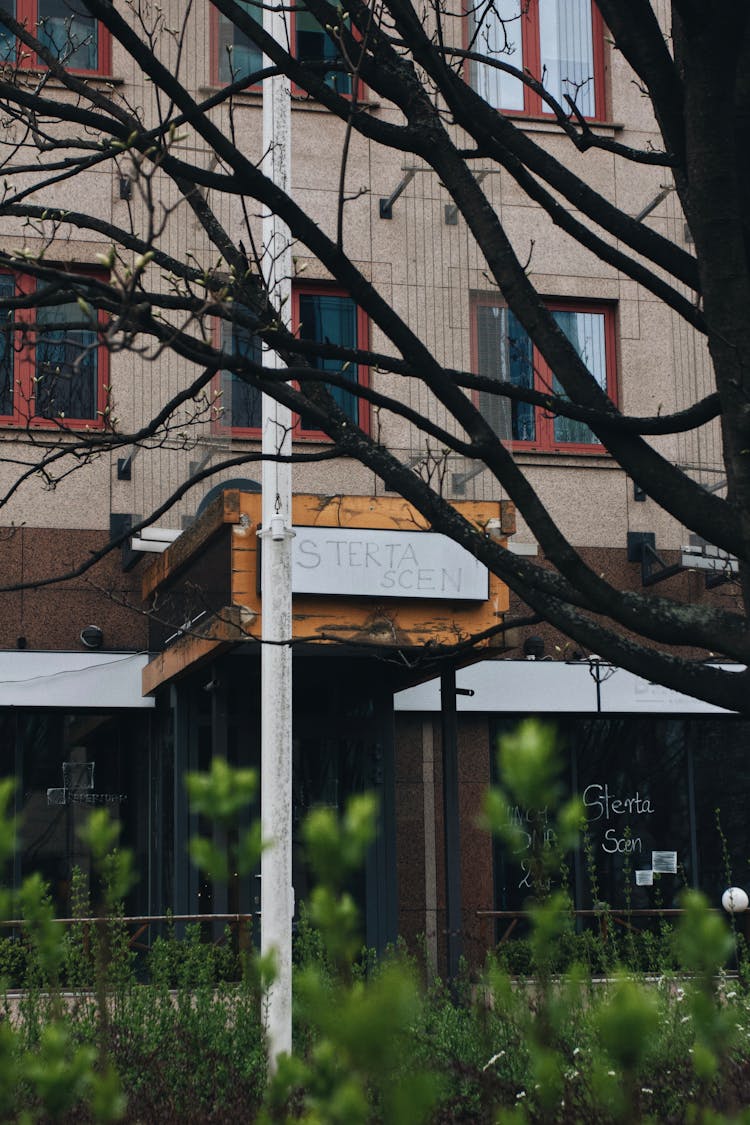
x=142, y=922
x=606, y=916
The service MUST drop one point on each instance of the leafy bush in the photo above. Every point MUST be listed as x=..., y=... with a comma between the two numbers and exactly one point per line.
x=646, y=951
x=13, y=962
x=190, y=961
x=535, y=1039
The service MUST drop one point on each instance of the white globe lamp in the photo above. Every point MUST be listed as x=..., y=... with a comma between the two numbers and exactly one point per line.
x=735, y=900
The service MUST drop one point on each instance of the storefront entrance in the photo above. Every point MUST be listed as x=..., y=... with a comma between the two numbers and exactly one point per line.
x=343, y=744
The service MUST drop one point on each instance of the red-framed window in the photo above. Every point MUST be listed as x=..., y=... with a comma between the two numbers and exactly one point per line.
x=65, y=28
x=54, y=371
x=559, y=42
x=321, y=313
x=502, y=350
x=234, y=55
x=312, y=43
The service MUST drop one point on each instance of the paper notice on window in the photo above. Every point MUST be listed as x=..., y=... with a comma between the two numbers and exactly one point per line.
x=644, y=878
x=665, y=863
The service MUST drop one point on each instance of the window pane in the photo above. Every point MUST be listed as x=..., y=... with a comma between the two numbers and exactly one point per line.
x=504, y=352
x=314, y=44
x=497, y=34
x=66, y=364
x=586, y=333
x=7, y=288
x=68, y=31
x=567, y=52
x=241, y=402
x=238, y=55
x=7, y=39
x=332, y=320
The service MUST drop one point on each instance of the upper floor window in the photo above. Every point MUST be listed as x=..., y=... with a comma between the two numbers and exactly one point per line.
x=319, y=313
x=503, y=351
x=559, y=42
x=65, y=28
x=314, y=44
x=235, y=55
x=331, y=317
x=241, y=403
x=53, y=369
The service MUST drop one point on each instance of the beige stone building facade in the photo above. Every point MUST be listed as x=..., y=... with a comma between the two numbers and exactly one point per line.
x=421, y=257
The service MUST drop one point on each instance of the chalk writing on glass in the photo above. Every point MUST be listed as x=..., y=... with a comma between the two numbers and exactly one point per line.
x=603, y=804
x=624, y=845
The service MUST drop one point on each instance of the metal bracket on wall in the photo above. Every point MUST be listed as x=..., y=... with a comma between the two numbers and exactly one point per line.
x=125, y=463
x=386, y=205
x=450, y=211
x=119, y=524
x=642, y=549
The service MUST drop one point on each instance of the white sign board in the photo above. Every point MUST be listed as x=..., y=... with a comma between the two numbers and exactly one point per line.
x=374, y=563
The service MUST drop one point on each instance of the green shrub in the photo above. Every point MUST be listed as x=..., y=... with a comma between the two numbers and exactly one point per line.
x=13, y=962
x=193, y=961
x=562, y=1026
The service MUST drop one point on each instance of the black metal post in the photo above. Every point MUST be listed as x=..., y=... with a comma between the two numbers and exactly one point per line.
x=219, y=749
x=184, y=879
x=451, y=821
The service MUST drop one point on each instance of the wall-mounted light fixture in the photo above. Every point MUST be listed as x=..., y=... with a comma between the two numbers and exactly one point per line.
x=92, y=636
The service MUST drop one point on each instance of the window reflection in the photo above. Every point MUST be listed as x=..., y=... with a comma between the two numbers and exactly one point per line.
x=648, y=784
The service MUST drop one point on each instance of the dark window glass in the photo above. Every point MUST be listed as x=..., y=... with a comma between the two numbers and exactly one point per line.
x=66, y=364
x=7, y=38
x=69, y=32
x=65, y=764
x=238, y=55
x=649, y=784
x=331, y=319
x=722, y=782
x=6, y=347
x=242, y=401
x=505, y=353
x=315, y=44
x=633, y=779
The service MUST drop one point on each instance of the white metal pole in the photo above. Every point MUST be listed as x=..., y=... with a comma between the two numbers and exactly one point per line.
x=277, y=895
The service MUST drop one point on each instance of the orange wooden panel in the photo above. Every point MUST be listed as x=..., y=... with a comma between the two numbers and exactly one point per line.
x=393, y=622
x=390, y=622
x=215, y=636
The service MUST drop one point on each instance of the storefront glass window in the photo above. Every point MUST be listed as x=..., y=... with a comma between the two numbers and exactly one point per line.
x=664, y=810
x=65, y=765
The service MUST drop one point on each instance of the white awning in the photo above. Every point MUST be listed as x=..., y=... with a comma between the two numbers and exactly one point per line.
x=96, y=680
x=553, y=687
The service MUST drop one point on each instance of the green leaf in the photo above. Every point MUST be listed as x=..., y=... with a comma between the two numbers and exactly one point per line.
x=627, y=1023
x=223, y=792
x=100, y=833
x=210, y=859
